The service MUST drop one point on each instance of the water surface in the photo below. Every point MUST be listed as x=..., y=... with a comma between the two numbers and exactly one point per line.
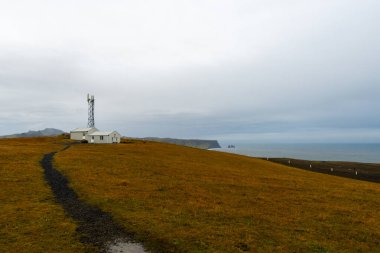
x=369, y=153
x=122, y=246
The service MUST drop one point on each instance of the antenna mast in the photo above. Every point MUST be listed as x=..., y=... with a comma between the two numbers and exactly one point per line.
x=91, y=104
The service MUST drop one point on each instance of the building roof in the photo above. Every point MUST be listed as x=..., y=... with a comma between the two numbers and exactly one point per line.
x=102, y=133
x=83, y=129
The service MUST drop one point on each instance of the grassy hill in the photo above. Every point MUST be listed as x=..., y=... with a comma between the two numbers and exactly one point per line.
x=181, y=199
x=207, y=201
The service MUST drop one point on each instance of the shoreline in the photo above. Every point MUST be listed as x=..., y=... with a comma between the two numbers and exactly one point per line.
x=355, y=170
x=369, y=172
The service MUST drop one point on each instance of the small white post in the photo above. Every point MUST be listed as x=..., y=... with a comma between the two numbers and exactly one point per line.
x=289, y=161
x=331, y=169
x=310, y=166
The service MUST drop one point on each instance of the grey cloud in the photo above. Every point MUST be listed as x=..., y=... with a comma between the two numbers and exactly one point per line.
x=287, y=71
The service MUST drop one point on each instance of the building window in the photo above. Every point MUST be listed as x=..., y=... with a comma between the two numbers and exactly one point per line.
x=101, y=138
x=84, y=134
x=92, y=137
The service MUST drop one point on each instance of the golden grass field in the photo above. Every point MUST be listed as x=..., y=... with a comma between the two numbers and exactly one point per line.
x=30, y=220
x=189, y=200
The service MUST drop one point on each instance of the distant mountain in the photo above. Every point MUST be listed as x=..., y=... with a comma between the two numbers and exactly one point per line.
x=203, y=144
x=45, y=132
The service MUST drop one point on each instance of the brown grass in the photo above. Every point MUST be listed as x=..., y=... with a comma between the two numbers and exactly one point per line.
x=30, y=220
x=206, y=201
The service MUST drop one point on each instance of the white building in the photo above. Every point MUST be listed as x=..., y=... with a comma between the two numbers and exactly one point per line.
x=103, y=137
x=81, y=133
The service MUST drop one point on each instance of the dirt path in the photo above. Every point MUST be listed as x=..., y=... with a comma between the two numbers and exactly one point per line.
x=96, y=227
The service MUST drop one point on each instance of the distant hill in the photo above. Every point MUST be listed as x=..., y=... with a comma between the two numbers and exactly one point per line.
x=203, y=144
x=45, y=132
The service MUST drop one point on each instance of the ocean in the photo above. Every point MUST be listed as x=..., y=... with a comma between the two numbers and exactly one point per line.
x=368, y=153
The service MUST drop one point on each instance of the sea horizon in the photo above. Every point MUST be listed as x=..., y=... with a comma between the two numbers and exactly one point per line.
x=348, y=152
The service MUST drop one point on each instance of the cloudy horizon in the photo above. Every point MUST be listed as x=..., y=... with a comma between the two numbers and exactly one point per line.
x=265, y=71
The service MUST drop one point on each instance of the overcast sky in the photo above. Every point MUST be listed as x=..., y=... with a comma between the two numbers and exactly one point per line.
x=262, y=70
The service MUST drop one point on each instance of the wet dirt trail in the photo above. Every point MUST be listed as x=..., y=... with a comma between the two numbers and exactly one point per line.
x=95, y=226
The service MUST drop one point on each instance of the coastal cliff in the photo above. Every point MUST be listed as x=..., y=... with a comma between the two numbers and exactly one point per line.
x=202, y=144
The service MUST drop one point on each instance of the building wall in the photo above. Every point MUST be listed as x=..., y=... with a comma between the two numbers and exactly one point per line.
x=77, y=136
x=81, y=135
x=88, y=138
x=116, y=137
x=106, y=138
x=98, y=140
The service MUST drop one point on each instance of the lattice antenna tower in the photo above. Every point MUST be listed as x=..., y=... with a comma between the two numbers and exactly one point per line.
x=91, y=105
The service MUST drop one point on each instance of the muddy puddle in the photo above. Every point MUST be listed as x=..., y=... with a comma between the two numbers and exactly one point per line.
x=122, y=246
